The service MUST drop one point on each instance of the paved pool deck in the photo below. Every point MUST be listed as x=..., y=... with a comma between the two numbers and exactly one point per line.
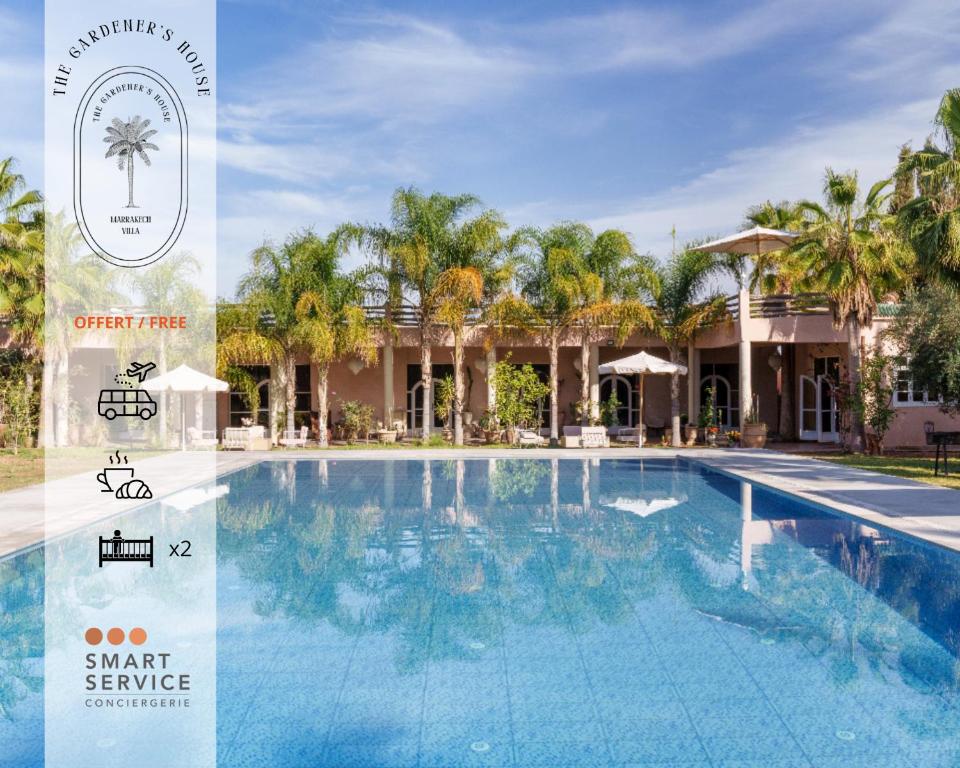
x=926, y=512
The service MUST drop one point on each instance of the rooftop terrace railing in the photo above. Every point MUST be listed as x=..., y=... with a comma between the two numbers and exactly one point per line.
x=789, y=305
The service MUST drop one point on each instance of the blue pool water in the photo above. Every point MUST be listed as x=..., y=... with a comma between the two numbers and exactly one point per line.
x=537, y=613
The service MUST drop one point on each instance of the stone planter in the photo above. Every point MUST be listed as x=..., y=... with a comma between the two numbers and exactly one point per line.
x=467, y=418
x=387, y=436
x=711, y=439
x=691, y=434
x=754, y=436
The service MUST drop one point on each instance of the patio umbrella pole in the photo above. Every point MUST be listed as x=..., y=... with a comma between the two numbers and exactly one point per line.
x=640, y=433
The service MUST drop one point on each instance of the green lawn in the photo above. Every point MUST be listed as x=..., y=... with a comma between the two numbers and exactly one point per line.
x=900, y=466
x=26, y=468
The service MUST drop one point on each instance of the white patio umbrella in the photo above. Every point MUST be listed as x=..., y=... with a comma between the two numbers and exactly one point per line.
x=642, y=363
x=752, y=242
x=644, y=507
x=184, y=379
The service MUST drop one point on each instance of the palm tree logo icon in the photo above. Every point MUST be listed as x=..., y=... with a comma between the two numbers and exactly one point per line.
x=126, y=140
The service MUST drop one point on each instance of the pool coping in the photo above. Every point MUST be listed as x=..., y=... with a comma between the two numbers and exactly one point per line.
x=850, y=491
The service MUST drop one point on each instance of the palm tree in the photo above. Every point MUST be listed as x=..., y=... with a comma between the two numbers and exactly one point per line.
x=606, y=300
x=331, y=321
x=169, y=288
x=262, y=325
x=681, y=309
x=555, y=286
x=851, y=252
x=83, y=282
x=775, y=271
x=474, y=273
x=21, y=266
x=931, y=221
x=427, y=236
x=126, y=140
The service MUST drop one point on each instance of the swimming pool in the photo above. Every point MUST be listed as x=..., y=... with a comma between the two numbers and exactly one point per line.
x=532, y=613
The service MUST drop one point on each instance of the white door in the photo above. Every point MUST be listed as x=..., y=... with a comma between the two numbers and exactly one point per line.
x=818, y=410
x=415, y=407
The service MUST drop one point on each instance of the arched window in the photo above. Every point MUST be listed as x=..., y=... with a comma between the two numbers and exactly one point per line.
x=724, y=400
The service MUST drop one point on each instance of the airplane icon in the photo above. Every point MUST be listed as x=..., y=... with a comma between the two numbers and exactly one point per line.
x=139, y=371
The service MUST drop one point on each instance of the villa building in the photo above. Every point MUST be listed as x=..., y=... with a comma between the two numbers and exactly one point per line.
x=775, y=348
x=784, y=351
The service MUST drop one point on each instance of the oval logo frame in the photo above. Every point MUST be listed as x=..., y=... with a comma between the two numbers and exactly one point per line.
x=93, y=231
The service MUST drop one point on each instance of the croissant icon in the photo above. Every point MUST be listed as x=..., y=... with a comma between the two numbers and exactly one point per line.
x=134, y=489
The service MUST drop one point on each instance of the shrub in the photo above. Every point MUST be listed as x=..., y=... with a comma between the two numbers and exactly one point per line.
x=357, y=419
x=518, y=392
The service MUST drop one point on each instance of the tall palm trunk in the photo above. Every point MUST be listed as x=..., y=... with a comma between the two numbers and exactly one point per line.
x=323, y=378
x=554, y=388
x=42, y=411
x=130, y=203
x=857, y=437
x=426, y=376
x=291, y=390
x=585, y=404
x=277, y=375
x=674, y=401
x=28, y=385
x=61, y=401
x=458, y=387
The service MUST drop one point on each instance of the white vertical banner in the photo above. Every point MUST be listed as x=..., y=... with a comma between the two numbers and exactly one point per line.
x=130, y=384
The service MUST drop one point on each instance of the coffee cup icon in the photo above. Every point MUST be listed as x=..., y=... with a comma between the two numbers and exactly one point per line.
x=112, y=478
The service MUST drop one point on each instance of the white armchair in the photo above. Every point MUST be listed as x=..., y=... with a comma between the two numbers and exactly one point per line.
x=296, y=438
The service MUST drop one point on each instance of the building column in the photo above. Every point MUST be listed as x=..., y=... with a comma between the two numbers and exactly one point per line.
x=693, y=383
x=388, y=384
x=491, y=363
x=595, y=382
x=746, y=542
x=746, y=378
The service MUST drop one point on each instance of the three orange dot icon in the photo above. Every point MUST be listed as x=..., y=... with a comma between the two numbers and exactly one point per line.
x=115, y=636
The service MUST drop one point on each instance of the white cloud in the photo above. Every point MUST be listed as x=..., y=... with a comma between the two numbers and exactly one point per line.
x=788, y=168
x=401, y=69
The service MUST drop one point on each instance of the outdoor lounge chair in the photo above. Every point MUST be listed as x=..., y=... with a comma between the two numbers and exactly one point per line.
x=245, y=438
x=628, y=435
x=201, y=438
x=296, y=438
x=529, y=438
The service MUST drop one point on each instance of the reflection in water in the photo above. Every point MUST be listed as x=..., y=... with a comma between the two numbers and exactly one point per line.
x=478, y=525
x=363, y=605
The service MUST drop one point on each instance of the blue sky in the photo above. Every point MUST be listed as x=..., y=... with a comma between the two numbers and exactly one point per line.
x=638, y=115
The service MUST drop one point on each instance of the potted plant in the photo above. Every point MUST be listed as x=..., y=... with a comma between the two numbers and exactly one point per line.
x=754, y=431
x=385, y=435
x=712, y=431
x=689, y=430
x=446, y=393
x=733, y=435
x=707, y=419
x=609, y=411
x=489, y=427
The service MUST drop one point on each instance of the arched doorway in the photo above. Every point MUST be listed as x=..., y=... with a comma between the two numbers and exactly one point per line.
x=628, y=414
x=415, y=407
x=725, y=400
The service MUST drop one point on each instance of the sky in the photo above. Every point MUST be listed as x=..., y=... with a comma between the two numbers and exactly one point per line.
x=642, y=116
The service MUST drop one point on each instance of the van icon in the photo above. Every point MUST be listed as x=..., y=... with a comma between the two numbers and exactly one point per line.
x=126, y=402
